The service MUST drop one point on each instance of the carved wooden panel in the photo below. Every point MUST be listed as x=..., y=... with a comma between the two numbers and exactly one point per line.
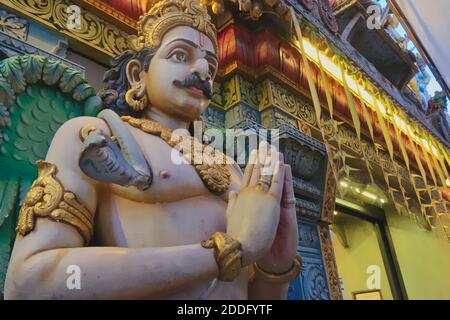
x=329, y=261
x=329, y=197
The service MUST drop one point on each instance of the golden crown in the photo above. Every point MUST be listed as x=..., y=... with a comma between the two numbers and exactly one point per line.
x=167, y=14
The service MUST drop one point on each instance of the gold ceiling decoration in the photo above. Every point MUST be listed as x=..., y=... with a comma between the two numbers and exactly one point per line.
x=96, y=37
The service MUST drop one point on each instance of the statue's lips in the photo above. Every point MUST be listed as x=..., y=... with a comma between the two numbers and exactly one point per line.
x=196, y=91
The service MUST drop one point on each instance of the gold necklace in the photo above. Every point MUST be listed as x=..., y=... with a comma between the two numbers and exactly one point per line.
x=215, y=176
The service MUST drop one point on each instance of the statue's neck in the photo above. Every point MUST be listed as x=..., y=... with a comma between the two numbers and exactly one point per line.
x=167, y=121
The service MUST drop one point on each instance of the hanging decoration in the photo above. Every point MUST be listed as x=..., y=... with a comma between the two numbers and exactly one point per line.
x=331, y=63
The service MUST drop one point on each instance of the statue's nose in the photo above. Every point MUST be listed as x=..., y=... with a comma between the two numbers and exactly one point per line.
x=201, y=66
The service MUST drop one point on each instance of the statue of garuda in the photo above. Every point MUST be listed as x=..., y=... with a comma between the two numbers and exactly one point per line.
x=111, y=202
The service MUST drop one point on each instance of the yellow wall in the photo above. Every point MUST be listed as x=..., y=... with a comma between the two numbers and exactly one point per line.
x=423, y=257
x=362, y=252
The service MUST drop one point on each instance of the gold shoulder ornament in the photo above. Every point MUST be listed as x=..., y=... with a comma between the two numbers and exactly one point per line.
x=48, y=199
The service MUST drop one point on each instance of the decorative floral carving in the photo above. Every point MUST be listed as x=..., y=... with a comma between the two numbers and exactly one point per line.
x=304, y=128
x=13, y=25
x=94, y=32
x=213, y=118
x=308, y=235
x=306, y=186
x=264, y=95
x=230, y=92
x=329, y=262
x=289, y=102
x=305, y=162
x=113, y=12
x=248, y=92
x=239, y=113
x=329, y=196
x=216, y=96
x=282, y=118
x=326, y=13
x=315, y=284
x=307, y=208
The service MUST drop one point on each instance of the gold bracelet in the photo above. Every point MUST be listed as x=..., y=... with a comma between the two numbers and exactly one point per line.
x=283, y=277
x=227, y=254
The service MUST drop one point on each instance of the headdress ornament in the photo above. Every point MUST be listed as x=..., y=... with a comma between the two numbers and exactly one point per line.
x=164, y=15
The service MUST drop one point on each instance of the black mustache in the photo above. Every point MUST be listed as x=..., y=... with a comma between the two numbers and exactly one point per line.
x=194, y=80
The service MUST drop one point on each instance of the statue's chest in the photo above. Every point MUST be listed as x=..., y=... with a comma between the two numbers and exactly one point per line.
x=173, y=178
x=176, y=210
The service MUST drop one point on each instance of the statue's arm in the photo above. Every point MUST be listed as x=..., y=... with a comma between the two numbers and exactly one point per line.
x=41, y=259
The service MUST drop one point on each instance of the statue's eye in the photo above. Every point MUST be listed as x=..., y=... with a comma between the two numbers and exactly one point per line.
x=178, y=56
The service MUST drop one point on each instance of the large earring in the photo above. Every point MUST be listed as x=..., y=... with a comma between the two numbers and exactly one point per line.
x=136, y=98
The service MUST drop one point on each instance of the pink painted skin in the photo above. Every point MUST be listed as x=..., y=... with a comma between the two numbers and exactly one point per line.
x=284, y=248
x=164, y=174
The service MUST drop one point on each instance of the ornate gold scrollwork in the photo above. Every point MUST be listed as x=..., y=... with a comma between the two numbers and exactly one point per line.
x=94, y=32
x=47, y=199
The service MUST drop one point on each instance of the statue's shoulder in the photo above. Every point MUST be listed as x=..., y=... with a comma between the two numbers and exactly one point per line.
x=75, y=129
x=67, y=142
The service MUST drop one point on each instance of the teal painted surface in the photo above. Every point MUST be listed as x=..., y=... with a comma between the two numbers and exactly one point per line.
x=9, y=195
x=37, y=96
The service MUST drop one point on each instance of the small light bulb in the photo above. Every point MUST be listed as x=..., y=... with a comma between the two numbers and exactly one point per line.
x=344, y=184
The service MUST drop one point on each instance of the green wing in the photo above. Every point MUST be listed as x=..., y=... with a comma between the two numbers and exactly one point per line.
x=37, y=95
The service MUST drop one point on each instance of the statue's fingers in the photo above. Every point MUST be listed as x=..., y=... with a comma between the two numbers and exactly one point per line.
x=249, y=169
x=261, y=158
x=276, y=188
x=288, y=192
x=232, y=196
x=272, y=161
x=288, y=198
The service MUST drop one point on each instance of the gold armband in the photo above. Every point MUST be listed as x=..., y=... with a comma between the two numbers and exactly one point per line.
x=227, y=254
x=47, y=199
x=280, y=278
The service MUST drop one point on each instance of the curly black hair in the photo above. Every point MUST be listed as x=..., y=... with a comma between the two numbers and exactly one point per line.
x=117, y=85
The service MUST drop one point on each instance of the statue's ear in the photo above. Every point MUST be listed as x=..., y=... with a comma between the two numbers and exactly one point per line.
x=134, y=72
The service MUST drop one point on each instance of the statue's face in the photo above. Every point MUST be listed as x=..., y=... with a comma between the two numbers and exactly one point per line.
x=184, y=52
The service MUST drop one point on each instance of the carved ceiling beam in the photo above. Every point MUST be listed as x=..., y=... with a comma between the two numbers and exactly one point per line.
x=110, y=14
x=97, y=38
